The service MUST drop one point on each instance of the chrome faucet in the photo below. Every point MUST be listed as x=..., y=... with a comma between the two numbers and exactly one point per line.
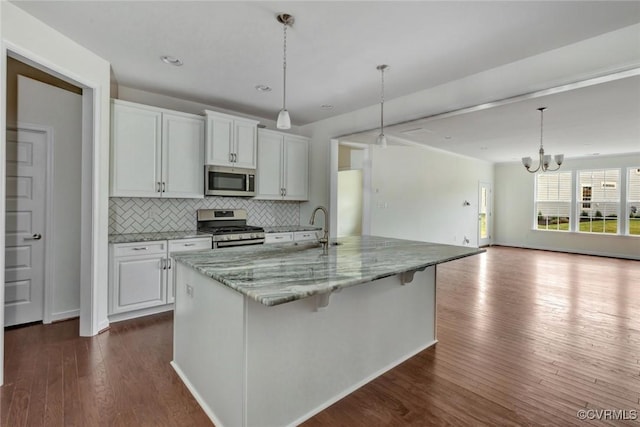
x=325, y=228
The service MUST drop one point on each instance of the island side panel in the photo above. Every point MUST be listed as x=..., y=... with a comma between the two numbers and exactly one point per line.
x=208, y=344
x=300, y=360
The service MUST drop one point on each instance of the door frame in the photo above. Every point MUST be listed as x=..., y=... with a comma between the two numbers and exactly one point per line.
x=91, y=233
x=489, y=239
x=47, y=316
x=333, y=185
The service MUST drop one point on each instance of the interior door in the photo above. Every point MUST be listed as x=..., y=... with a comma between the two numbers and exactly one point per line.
x=484, y=214
x=25, y=233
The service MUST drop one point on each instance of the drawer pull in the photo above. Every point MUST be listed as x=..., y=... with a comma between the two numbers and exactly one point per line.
x=278, y=237
x=189, y=244
x=143, y=248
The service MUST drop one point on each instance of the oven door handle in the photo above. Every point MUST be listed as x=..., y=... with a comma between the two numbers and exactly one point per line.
x=224, y=244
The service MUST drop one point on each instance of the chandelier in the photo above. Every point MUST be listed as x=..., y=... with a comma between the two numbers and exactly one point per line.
x=545, y=159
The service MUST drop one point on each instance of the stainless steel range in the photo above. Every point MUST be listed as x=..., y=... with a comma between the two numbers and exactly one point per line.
x=229, y=227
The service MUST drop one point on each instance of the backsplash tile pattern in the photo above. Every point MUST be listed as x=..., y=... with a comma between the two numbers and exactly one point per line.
x=142, y=215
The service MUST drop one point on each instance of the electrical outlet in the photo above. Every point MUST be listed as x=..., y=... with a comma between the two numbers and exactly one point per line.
x=189, y=290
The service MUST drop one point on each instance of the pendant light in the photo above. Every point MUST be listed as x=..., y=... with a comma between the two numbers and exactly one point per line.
x=284, y=120
x=545, y=159
x=381, y=141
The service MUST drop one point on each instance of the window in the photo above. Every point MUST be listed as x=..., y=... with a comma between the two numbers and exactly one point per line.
x=553, y=201
x=599, y=206
x=586, y=196
x=633, y=201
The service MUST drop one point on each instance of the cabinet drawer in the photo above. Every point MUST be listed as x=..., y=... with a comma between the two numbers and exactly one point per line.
x=278, y=237
x=139, y=248
x=184, y=245
x=301, y=236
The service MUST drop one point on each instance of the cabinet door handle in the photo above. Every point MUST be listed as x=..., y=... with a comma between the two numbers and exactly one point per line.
x=163, y=184
x=284, y=191
x=158, y=187
x=235, y=157
x=230, y=157
x=169, y=261
x=141, y=248
x=163, y=264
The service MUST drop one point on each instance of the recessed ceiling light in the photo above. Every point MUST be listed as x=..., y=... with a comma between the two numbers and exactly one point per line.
x=484, y=148
x=449, y=137
x=171, y=60
x=263, y=88
x=326, y=106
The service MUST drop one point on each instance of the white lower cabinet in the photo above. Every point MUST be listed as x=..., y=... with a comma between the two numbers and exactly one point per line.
x=141, y=274
x=295, y=236
x=183, y=245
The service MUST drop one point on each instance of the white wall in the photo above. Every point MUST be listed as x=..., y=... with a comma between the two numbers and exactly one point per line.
x=126, y=93
x=597, y=56
x=419, y=194
x=34, y=42
x=514, y=210
x=43, y=104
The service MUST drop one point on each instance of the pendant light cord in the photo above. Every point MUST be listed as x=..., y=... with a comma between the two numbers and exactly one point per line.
x=382, y=103
x=284, y=70
x=541, y=124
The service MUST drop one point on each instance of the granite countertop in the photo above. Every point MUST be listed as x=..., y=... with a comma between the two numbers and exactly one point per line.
x=278, y=273
x=163, y=235
x=290, y=228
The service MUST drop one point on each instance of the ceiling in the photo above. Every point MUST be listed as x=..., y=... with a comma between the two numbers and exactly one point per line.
x=595, y=120
x=334, y=47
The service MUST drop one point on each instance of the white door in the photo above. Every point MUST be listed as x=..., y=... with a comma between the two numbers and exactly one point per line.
x=484, y=214
x=25, y=233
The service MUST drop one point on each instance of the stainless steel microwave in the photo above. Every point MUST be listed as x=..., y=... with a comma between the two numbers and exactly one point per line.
x=225, y=181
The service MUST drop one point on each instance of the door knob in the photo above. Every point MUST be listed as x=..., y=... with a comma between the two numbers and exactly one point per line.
x=36, y=236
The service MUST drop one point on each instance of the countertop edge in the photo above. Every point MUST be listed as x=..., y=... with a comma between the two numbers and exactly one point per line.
x=271, y=302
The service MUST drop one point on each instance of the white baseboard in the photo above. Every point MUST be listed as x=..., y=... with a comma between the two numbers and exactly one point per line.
x=64, y=315
x=119, y=317
x=103, y=326
x=568, y=250
x=207, y=410
x=359, y=384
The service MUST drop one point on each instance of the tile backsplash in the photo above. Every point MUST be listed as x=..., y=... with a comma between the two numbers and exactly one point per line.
x=142, y=215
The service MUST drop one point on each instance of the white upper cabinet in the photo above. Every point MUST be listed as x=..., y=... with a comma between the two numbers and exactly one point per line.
x=155, y=152
x=269, y=172
x=182, y=156
x=136, y=153
x=230, y=141
x=295, y=173
x=283, y=166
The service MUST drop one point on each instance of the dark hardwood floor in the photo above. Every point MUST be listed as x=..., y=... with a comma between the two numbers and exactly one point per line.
x=525, y=338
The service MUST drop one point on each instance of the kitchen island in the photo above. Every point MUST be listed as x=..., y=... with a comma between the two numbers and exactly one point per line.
x=270, y=335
